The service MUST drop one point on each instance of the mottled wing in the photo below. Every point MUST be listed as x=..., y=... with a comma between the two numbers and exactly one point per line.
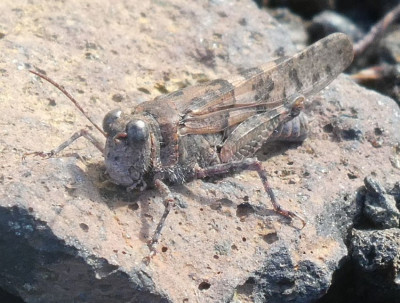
x=213, y=106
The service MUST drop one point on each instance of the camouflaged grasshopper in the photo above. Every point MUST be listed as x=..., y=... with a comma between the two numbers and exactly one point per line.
x=215, y=128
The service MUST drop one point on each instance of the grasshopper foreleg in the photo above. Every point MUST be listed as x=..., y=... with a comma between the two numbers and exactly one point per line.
x=248, y=164
x=82, y=133
x=168, y=204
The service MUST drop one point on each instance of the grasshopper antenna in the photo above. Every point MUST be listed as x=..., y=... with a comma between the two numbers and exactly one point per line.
x=69, y=97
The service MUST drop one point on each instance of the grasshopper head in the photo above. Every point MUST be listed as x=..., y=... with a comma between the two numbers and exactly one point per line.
x=128, y=148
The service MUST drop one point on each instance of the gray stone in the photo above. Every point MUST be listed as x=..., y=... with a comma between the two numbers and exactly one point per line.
x=328, y=22
x=293, y=24
x=379, y=207
x=376, y=256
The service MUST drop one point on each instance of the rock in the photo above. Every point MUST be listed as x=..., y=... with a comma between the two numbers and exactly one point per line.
x=379, y=207
x=306, y=8
x=328, y=22
x=280, y=281
x=293, y=24
x=395, y=192
x=377, y=261
x=377, y=249
x=67, y=235
x=371, y=271
x=41, y=267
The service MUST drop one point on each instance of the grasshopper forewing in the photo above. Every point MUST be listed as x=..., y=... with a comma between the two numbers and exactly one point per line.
x=215, y=127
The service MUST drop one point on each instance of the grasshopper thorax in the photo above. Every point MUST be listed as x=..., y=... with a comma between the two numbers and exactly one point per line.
x=128, y=148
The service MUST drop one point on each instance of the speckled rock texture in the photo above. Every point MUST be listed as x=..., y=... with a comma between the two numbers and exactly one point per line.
x=66, y=235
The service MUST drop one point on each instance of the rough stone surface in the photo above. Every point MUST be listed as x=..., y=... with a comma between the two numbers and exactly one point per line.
x=376, y=256
x=69, y=236
x=379, y=207
x=375, y=250
x=370, y=273
x=294, y=25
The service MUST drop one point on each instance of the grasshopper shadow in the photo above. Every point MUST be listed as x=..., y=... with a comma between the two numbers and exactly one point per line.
x=276, y=148
x=101, y=190
x=241, y=205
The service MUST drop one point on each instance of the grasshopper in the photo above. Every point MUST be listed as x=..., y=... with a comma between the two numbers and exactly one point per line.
x=214, y=128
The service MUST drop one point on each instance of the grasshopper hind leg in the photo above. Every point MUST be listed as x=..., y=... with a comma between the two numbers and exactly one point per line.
x=248, y=164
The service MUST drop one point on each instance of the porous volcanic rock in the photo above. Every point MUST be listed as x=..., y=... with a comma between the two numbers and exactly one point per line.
x=67, y=236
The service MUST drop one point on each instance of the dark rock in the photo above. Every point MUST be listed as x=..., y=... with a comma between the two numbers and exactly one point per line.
x=9, y=298
x=346, y=127
x=40, y=267
x=371, y=271
x=376, y=256
x=280, y=281
x=395, y=192
x=305, y=8
x=379, y=207
x=328, y=22
x=375, y=250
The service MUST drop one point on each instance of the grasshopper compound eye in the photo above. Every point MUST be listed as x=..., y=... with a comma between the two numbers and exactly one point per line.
x=110, y=119
x=137, y=132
